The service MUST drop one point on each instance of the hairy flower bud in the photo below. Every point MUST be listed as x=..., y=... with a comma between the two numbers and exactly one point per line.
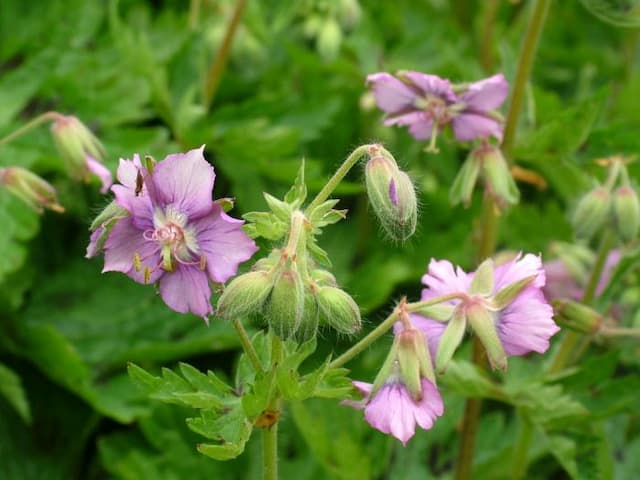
x=497, y=176
x=310, y=316
x=626, y=207
x=591, y=212
x=465, y=182
x=576, y=316
x=30, y=188
x=245, y=295
x=286, y=303
x=338, y=310
x=392, y=196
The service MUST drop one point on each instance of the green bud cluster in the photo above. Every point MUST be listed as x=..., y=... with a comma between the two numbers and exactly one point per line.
x=615, y=203
x=391, y=194
x=485, y=161
x=30, y=188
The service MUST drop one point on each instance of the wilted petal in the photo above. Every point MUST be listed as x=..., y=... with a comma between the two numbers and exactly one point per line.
x=124, y=243
x=469, y=126
x=185, y=181
x=102, y=172
x=223, y=243
x=487, y=94
x=392, y=95
x=186, y=289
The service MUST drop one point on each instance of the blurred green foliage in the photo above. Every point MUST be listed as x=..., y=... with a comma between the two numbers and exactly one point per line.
x=134, y=70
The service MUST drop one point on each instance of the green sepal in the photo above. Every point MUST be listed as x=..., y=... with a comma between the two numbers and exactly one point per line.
x=451, y=338
x=482, y=282
x=297, y=194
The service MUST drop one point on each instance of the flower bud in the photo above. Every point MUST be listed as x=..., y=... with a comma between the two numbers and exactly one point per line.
x=310, y=316
x=465, y=182
x=30, y=188
x=74, y=141
x=323, y=277
x=245, y=295
x=591, y=213
x=286, y=304
x=329, y=39
x=338, y=310
x=497, y=176
x=576, y=316
x=392, y=196
x=626, y=207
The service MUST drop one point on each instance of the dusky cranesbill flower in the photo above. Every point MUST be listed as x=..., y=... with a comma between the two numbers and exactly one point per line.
x=426, y=103
x=504, y=306
x=404, y=393
x=174, y=233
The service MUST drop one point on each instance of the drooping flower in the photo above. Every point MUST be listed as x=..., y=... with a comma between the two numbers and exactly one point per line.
x=404, y=393
x=504, y=306
x=80, y=149
x=30, y=188
x=174, y=233
x=426, y=103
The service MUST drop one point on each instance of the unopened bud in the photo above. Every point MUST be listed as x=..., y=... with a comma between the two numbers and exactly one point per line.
x=392, y=196
x=591, y=212
x=245, y=295
x=465, y=182
x=576, y=316
x=626, y=207
x=349, y=12
x=497, y=176
x=286, y=304
x=30, y=188
x=323, y=277
x=329, y=39
x=338, y=310
x=310, y=316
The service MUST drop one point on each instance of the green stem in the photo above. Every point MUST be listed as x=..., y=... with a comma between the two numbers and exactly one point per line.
x=486, y=43
x=523, y=443
x=251, y=353
x=333, y=182
x=523, y=72
x=619, y=332
x=568, y=345
x=194, y=13
x=40, y=119
x=214, y=75
x=270, y=452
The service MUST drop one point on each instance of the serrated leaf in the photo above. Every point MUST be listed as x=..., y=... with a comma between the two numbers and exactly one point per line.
x=297, y=194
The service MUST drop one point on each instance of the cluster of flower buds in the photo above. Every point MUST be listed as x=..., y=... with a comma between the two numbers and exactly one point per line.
x=391, y=193
x=614, y=203
x=30, y=188
x=81, y=150
x=291, y=291
x=427, y=103
x=486, y=161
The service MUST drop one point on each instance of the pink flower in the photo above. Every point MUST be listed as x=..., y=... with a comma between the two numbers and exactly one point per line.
x=426, y=103
x=509, y=312
x=393, y=411
x=174, y=234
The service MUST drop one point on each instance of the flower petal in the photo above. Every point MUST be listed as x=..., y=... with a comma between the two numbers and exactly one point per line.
x=487, y=94
x=441, y=279
x=185, y=181
x=518, y=269
x=102, y=172
x=223, y=243
x=392, y=95
x=186, y=289
x=469, y=126
x=431, y=84
x=430, y=406
x=124, y=242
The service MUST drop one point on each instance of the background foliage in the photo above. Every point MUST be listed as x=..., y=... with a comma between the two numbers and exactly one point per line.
x=294, y=88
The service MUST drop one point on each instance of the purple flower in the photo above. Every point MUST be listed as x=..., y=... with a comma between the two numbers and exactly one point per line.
x=174, y=234
x=393, y=410
x=426, y=103
x=509, y=312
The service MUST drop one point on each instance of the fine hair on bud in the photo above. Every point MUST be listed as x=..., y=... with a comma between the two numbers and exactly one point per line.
x=591, y=213
x=285, y=307
x=309, y=323
x=338, y=310
x=245, y=295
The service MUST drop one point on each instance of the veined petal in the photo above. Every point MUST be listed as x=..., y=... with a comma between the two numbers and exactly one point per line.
x=223, y=243
x=469, y=126
x=127, y=242
x=186, y=289
x=102, y=172
x=441, y=278
x=185, y=180
x=430, y=406
x=391, y=94
x=431, y=84
x=487, y=94
x=519, y=268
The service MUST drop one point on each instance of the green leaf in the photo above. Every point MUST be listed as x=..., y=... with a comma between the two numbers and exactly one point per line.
x=11, y=389
x=298, y=192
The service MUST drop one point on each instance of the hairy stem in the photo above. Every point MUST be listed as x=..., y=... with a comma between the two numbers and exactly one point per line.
x=523, y=72
x=214, y=75
x=40, y=119
x=270, y=452
x=247, y=346
x=337, y=177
